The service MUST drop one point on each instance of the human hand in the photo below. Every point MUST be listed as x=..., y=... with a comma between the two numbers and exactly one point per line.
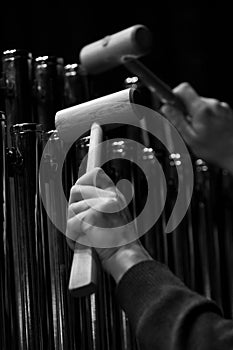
x=209, y=131
x=98, y=217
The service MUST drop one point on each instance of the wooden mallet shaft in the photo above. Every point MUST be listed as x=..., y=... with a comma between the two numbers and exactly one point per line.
x=83, y=272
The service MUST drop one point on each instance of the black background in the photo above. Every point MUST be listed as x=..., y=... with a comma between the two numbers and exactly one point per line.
x=192, y=41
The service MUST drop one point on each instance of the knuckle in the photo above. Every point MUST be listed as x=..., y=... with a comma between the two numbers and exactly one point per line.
x=72, y=190
x=215, y=104
x=225, y=108
x=99, y=170
x=185, y=85
x=71, y=210
x=75, y=189
x=106, y=202
x=225, y=105
x=212, y=107
x=107, y=205
x=113, y=200
x=182, y=87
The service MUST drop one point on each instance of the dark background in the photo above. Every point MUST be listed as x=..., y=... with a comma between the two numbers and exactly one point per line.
x=192, y=41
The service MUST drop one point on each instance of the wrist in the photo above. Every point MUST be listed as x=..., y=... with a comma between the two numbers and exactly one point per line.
x=125, y=258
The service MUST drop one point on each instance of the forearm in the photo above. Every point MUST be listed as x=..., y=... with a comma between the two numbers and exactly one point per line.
x=165, y=314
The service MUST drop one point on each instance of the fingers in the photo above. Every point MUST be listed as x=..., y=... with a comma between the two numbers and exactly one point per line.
x=96, y=177
x=82, y=218
x=214, y=108
x=74, y=229
x=189, y=96
x=205, y=113
x=81, y=192
x=77, y=207
x=200, y=106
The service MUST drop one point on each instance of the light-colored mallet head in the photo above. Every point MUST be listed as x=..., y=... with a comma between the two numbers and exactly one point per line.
x=107, y=53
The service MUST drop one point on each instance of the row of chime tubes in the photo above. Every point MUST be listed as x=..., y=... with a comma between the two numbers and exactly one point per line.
x=195, y=256
x=34, y=89
x=50, y=317
x=38, y=311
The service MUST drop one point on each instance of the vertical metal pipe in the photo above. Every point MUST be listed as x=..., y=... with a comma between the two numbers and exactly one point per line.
x=117, y=169
x=223, y=215
x=62, y=311
x=76, y=89
x=16, y=71
x=5, y=294
x=29, y=288
x=206, y=234
x=154, y=240
x=48, y=89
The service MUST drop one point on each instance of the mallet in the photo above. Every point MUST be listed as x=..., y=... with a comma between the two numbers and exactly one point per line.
x=77, y=120
x=125, y=47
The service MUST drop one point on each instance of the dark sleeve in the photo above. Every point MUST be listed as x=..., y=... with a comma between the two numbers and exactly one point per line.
x=165, y=314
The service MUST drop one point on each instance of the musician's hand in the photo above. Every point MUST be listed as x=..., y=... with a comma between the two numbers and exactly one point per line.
x=98, y=216
x=210, y=131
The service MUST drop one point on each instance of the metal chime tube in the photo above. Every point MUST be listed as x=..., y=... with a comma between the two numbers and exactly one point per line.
x=26, y=240
x=155, y=240
x=223, y=216
x=37, y=310
x=206, y=238
x=63, y=310
x=16, y=70
x=118, y=169
x=5, y=296
x=76, y=89
x=16, y=79
x=48, y=89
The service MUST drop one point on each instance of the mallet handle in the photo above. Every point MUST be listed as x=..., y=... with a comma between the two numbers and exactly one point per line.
x=154, y=84
x=83, y=273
